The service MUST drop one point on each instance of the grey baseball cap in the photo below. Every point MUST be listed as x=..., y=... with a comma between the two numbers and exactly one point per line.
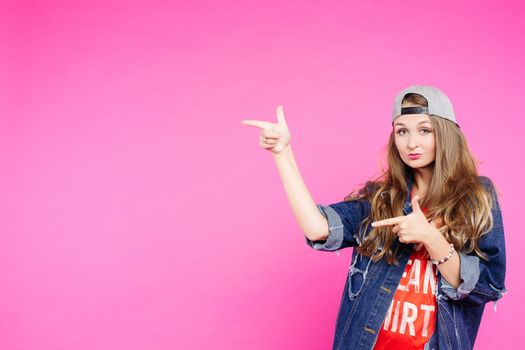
x=438, y=103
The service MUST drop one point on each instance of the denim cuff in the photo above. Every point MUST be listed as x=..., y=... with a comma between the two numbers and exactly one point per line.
x=335, y=230
x=469, y=273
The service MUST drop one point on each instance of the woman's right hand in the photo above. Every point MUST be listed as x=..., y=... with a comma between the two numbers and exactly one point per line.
x=274, y=136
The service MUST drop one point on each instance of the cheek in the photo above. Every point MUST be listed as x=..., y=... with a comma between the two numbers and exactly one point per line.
x=431, y=146
x=432, y=143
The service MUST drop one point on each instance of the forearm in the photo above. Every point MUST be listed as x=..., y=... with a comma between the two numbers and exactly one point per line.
x=438, y=247
x=311, y=221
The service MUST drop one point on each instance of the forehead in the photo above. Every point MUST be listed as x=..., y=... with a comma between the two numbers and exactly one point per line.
x=412, y=119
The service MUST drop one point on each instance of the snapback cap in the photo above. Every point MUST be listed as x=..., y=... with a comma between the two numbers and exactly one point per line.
x=438, y=103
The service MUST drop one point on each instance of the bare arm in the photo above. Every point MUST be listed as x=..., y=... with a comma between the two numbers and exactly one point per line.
x=312, y=222
x=275, y=137
x=437, y=246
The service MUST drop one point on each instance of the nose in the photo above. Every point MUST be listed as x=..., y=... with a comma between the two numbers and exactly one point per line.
x=413, y=141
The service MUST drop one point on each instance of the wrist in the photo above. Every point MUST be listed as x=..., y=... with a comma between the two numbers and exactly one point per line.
x=286, y=153
x=433, y=237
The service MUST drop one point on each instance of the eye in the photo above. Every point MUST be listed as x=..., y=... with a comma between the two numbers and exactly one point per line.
x=401, y=131
x=426, y=131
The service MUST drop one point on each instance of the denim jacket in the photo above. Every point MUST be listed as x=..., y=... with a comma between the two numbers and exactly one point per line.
x=370, y=286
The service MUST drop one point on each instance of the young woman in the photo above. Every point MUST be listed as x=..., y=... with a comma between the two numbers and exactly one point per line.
x=428, y=233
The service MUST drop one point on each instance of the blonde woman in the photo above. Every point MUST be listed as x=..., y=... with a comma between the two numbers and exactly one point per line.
x=428, y=238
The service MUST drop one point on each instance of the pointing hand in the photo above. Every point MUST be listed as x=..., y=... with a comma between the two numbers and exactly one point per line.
x=274, y=136
x=411, y=228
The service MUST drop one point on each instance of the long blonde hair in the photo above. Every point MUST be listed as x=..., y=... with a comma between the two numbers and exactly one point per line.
x=456, y=195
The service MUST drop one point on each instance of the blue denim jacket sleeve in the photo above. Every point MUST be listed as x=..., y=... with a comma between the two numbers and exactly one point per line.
x=483, y=281
x=344, y=219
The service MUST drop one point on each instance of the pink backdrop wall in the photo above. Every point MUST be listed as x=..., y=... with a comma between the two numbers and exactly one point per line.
x=138, y=213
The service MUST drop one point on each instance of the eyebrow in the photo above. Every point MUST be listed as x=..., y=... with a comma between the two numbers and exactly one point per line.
x=423, y=122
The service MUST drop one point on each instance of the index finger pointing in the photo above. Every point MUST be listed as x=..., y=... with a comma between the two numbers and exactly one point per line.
x=391, y=221
x=257, y=123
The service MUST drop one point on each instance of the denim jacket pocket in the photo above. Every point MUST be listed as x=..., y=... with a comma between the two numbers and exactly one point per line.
x=361, y=269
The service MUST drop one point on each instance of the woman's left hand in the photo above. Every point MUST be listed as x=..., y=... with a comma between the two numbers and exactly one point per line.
x=411, y=228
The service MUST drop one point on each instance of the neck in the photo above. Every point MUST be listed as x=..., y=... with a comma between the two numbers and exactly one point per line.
x=422, y=179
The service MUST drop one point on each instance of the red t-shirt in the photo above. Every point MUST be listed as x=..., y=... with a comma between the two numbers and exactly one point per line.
x=411, y=318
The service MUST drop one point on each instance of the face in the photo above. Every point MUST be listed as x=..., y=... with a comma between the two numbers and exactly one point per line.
x=415, y=140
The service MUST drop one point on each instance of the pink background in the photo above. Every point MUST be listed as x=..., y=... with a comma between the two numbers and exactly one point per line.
x=139, y=213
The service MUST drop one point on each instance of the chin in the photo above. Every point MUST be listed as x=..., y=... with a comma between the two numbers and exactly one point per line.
x=425, y=166
x=417, y=164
